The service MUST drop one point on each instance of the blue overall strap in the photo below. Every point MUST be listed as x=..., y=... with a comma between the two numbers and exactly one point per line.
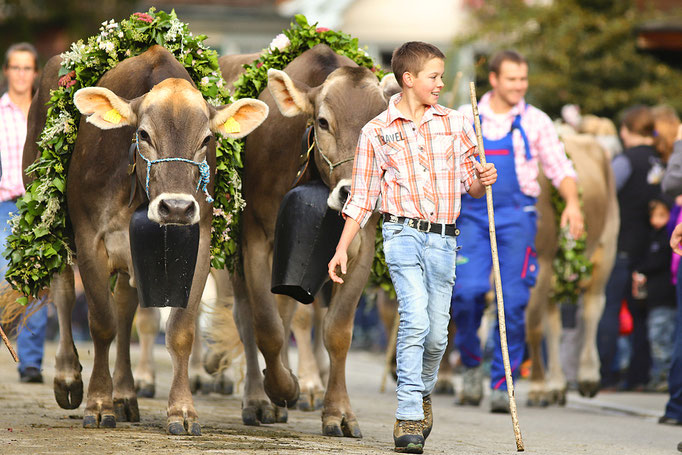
x=516, y=124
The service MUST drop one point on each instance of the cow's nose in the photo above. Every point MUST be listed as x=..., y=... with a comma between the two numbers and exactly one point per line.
x=344, y=192
x=177, y=211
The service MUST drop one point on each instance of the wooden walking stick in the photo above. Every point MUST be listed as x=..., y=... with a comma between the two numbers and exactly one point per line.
x=8, y=344
x=496, y=274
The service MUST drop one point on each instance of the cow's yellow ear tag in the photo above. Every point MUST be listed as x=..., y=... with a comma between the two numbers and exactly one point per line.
x=231, y=126
x=112, y=116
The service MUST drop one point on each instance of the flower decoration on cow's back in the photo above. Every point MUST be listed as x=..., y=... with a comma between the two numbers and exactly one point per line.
x=283, y=49
x=39, y=244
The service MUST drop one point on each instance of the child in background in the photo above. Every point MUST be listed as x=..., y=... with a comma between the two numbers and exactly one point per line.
x=651, y=282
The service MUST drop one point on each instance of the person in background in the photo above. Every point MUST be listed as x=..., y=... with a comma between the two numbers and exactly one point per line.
x=20, y=69
x=638, y=172
x=672, y=185
x=651, y=282
x=518, y=138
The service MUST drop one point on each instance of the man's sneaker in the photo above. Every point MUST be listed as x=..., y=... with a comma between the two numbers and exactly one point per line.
x=499, y=401
x=427, y=423
x=472, y=386
x=31, y=374
x=408, y=437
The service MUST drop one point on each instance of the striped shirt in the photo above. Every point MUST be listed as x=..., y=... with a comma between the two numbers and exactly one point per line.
x=419, y=170
x=13, y=126
x=545, y=146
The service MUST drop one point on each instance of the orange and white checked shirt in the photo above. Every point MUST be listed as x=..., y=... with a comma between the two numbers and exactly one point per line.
x=418, y=170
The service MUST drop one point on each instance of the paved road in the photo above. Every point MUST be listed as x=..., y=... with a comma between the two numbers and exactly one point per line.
x=615, y=423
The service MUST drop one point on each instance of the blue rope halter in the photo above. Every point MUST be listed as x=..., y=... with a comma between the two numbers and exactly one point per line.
x=204, y=170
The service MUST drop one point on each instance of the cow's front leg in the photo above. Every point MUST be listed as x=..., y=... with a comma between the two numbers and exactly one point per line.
x=279, y=383
x=99, y=410
x=147, y=323
x=256, y=406
x=588, y=368
x=535, y=332
x=556, y=380
x=68, y=383
x=338, y=418
x=312, y=389
x=125, y=397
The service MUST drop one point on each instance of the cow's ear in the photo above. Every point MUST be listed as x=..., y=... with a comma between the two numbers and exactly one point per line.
x=389, y=85
x=104, y=108
x=291, y=97
x=238, y=119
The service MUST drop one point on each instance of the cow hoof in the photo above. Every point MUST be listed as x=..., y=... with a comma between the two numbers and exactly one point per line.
x=339, y=427
x=588, y=388
x=259, y=412
x=126, y=410
x=281, y=415
x=223, y=385
x=68, y=396
x=145, y=389
x=311, y=401
x=186, y=428
x=105, y=421
x=537, y=401
x=277, y=399
x=250, y=416
x=558, y=397
x=444, y=388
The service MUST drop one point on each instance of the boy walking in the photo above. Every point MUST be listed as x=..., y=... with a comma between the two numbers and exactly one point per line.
x=416, y=155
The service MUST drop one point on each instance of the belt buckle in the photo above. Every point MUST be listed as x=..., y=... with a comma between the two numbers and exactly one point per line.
x=428, y=225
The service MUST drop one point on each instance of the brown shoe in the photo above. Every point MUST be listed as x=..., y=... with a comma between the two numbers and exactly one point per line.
x=427, y=423
x=408, y=437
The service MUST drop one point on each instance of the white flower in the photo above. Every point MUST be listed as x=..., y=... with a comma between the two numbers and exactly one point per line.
x=174, y=30
x=220, y=83
x=74, y=56
x=58, y=126
x=112, y=25
x=280, y=42
x=120, y=34
x=214, y=102
x=128, y=52
x=204, y=81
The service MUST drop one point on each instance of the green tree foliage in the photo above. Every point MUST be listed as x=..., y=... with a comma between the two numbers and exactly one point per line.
x=579, y=51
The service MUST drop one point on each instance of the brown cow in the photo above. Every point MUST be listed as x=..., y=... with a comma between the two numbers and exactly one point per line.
x=339, y=98
x=600, y=207
x=171, y=119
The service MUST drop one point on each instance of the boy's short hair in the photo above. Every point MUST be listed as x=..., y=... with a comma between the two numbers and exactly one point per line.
x=411, y=57
x=507, y=55
x=661, y=200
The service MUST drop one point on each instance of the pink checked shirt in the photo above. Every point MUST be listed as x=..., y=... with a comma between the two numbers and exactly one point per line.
x=419, y=170
x=12, y=136
x=545, y=146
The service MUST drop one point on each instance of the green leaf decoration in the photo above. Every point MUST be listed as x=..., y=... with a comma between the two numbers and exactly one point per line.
x=39, y=245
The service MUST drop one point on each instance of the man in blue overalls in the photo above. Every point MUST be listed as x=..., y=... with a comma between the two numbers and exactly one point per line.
x=515, y=136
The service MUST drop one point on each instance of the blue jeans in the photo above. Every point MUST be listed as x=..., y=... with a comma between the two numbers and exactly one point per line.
x=674, y=407
x=422, y=268
x=661, y=328
x=31, y=337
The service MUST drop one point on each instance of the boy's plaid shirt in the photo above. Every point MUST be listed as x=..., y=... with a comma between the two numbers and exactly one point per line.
x=419, y=171
x=13, y=128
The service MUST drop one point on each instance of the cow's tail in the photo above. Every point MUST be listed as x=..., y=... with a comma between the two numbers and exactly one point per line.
x=222, y=337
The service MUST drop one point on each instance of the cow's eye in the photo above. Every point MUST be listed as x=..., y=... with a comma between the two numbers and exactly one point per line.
x=143, y=135
x=207, y=139
x=324, y=124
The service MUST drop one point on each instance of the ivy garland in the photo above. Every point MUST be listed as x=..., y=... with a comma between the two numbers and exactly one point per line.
x=39, y=244
x=570, y=265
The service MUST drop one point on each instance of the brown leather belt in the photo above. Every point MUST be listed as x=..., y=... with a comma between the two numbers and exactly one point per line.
x=423, y=225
